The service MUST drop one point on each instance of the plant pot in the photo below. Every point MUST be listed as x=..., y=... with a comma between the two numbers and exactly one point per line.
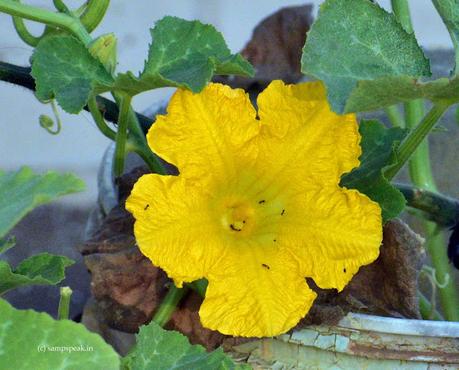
x=358, y=341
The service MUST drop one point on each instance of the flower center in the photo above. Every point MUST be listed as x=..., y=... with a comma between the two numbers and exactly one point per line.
x=238, y=218
x=249, y=206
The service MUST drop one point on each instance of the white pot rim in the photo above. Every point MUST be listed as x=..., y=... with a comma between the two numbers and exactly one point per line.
x=391, y=325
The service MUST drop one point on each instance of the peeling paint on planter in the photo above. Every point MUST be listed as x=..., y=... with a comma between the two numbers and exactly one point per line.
x=361, y=342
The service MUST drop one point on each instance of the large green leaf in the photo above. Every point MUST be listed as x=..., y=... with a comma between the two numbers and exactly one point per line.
x=353, y=41
x=159, y=349
x=378, y=144
x=449, y=11
x=32, y=340
x=184, y=54
x=64, y=69
x=21, y=191
x=41, y=269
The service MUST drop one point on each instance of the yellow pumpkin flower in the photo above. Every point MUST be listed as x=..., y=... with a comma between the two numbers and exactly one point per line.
x=257, y=206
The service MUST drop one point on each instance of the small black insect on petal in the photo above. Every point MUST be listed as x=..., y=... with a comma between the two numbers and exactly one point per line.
x=262, y=201
x=283, y=211
x=146, y=207
x=344, y=270
x=453, y=246
x=265, y=266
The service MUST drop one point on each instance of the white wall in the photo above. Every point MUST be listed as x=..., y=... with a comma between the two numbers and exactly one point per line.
x=79, y=147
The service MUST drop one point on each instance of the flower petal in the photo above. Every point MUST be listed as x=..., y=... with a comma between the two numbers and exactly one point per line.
x=301, y=138
x=206, y=133
x=331, y=232
x=173, y=227
x=257, y=293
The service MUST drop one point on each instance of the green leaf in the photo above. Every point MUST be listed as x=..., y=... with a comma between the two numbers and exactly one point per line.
x=184, y=54
x=449, y=12
x=33, y=340
x=22, y=191
x=378, y=148
x=65, y=70
x=353, y=41
x=372, y=95
x=41, y=269
x=159, y=349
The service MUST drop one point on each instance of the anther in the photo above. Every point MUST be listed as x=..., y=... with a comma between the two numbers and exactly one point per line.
x=234, y=228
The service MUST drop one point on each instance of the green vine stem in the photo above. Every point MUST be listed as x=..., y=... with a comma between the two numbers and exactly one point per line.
x=59, y=20
x=61, y=7
x=99, y=119
x=416, y=147
x=140, y=146
x=415, y=138
x=427, y=311
x=169, y=304
x=64, y=303
x=94, y=13
x=394, y=115
x=47, y=122
x=137, y=141
x=24, y=33
x=121, y=135
x=447, y=292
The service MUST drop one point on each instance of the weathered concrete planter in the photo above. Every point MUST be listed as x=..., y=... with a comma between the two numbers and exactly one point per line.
x=361, y=342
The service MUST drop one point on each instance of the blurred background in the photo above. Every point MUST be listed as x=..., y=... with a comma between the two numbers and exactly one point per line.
x=79, y=146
